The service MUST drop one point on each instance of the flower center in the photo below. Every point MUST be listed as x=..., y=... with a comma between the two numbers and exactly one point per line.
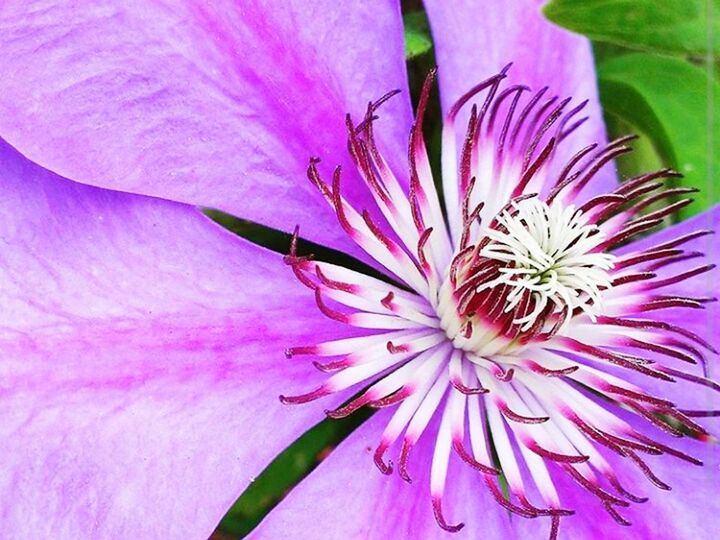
x=538, y=267
x=513, y=319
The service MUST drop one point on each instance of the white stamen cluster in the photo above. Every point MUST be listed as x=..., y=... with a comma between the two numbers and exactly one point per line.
x=549, y=252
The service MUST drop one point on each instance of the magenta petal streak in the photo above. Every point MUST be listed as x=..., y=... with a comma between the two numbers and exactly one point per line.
x=141, y=361
x=209, y=103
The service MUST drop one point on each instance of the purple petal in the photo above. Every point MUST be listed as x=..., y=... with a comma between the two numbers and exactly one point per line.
x=217, y=104
x=690, y=510
x=142, y=359
x=702, y=322
x=474, y=41
x=347, y=497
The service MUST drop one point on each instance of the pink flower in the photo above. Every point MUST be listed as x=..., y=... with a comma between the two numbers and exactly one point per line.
x=143, y=346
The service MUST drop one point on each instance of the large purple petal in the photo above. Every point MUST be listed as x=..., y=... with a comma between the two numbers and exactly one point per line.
x=142, y=358
x=476, y=40
x=348, y=496
x=216, y=104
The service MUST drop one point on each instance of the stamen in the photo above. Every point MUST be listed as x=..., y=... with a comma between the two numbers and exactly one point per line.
x=511, y=312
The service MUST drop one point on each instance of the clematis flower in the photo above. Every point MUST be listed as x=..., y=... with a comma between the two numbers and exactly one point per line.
x=533, y=358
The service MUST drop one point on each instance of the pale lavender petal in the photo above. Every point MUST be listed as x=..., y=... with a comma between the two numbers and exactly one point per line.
x=142, y=358
x=347, y=497
x=476, y=40
x=216, y=104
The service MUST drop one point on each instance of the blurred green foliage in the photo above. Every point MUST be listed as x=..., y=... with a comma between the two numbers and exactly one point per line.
x=417, y=35
x=657, y=77
x=668, y=26
x=669, y=101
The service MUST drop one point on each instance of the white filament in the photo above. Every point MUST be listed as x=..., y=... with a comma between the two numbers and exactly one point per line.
x=549, y=251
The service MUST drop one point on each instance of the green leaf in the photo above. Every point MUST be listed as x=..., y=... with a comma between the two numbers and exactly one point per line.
x=671, y=102
x=669, y=26
x=286, y=471
x=417, y=34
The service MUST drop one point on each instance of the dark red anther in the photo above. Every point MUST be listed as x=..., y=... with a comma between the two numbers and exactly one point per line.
x=699, y=413
x=554, y=456
x=563, y=179
x=668, y=449
x=626, y=233
x=491, y=83
x=614, y=482
x=596, y=435
x=593, y=488
x=667, y=303
x=702, y=381
x=296, y=264
x=518, y=90
x=646, y=256
x=542, y=511
x=303, y=349
x=533, y=168
x=634, y=445
x=665, y=210
x=504, y=375
x=682, y=276
x=537, y=368
x=314, y=177
x=682, y=256
x=360, y=155
x=638, y=396
x=497, y=103
x=524, y=114
x=689, y=424
x=378, y=233
x=611, y=198
x=467, y=458
x=338, y=205
x=397, y=349
x=330, y=313
x=515, y=417
x=385, y=468
x=662, y=349
x=554, y=527
x=467, y=332
x=632, y=278
x=338, y=285
x=665, y=194
x=657, y=325
x=615, y=358
x=437, y=511
x=348, y=409
x=544, y=127
x=629, y=186
x=615, y=514
x=684, y=239
x=505, y=502
x=387, y=300
x=422, y=241
x=305, y=398
x=460, y=387
x=392, y=399
x=403, y=463
x=331, y=366
x=647, y=471
x=655, y=420
x=466, y=153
